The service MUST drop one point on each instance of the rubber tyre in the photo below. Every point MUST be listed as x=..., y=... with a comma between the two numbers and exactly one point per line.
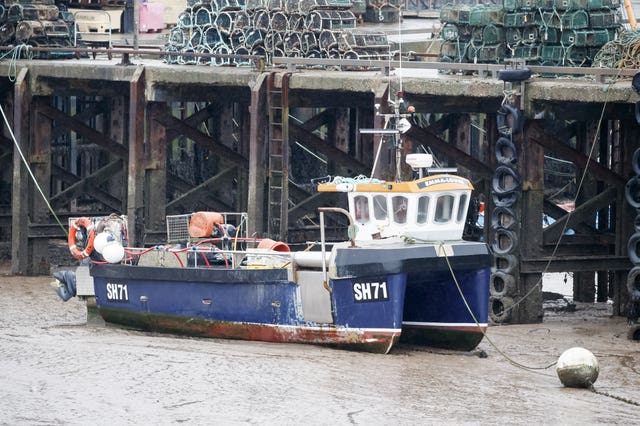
x=632, y=192
x=503, y=146
x=632, y=249
x=498, y=182
x=520, y=74
x=503, y=217
x=506, y=263
x=504, y=241
x=508, y=120
x=500, y=309
x=505, y=200
x=635, y=161
x=502, y=284
x=634, y=332
x=633, y=285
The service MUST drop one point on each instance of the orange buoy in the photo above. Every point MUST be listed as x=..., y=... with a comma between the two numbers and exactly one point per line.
x=270, y=244
x=202, y=224
x=86, y=223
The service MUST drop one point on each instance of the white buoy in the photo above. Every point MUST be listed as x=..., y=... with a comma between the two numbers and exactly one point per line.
x=113, y=252
x=101, y=240
x=577, y=368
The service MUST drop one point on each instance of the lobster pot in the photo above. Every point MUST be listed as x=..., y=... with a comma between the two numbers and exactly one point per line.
x=192, y=4
x=587, y=38
x=551, y=19
x=516, y=5
x=241, y=61
x=279, y=21
x=482, y=15
x=211, y=37
x=273, y=40
x=603, y=4
x=252, y=5
x=203, y=16
x=306, y=6
x=513, y=36
x=171, y=54
x=383, y=14
x=452, y=32
x=292, y=43
x=530, y=53
x=488, y=35
x=254, y=38
x=455, y=14
x=242, y=20
x=570, y=4
x=261, y=19
x=550, y=36
x=329, y=39
x=276, y=5
x=237, y=39
x=195, y=37
x=453, y=51
x=578, y=56
x=352, y=40
x=224, y=22
x=604, y=19
x=187, y=59
x=330, y=20
x=222, y=49
x=7, y=32
x=486, y=53
x=225, y=5
x=26, y=30
x=552, y=54
x=259, y=50
x=296, y=22
x=347, y=18
x=519, y=19
x=531, y=35
x=575, y=20
x=178, y=37
x=308, y=42
x=31, y=12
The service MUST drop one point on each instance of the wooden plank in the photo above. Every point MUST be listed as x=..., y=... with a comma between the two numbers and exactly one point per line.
x=135, y=170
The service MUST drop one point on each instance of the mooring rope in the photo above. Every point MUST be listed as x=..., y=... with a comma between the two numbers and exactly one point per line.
x=17, y=53
x=621, y=53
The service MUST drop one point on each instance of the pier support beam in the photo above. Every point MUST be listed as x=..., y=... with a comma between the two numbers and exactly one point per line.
x=135, y=180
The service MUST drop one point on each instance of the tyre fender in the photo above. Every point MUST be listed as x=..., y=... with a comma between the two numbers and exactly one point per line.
x=503, y=217
x=520, y=74
x=504, y=241
x=632, y=248
x=506, y=263
x=635, y=162
x=633, y=285
x=501, y=176
x=632, y=192
x=500, y=309
x=506, y=152
x=505, y=200
x=508, y=120
x=502, y=284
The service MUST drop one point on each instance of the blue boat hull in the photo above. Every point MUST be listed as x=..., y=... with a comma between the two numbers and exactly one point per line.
x=247, y=304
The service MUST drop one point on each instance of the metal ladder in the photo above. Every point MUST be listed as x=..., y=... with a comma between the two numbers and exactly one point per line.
x=278, y=104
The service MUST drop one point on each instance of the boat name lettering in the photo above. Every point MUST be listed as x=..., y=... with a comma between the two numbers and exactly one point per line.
x=373, y=291
x=117, y=292
x=441, y=180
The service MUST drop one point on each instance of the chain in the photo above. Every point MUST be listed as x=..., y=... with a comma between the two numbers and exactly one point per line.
x=619, y=398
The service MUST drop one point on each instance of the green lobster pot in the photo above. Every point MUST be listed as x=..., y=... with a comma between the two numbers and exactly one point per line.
x=513, y=36
x=482, y=15
x=455, y=14
x=570, y=4
x=546, y=5
x=552, y=54
x=486, y=53
x=586, y=38
x=519, y=19
x=578, y=56
x=530, y=53
x=488, y=35
x=530, y=35
x=575, y=20
x=453, y=51
x=604, y=19
x=551, y=19
x=550, y=36
x=453, y=32
x=602, y=4
x=516, y=5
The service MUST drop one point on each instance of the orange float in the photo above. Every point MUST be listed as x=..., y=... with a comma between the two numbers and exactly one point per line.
x=86, y=223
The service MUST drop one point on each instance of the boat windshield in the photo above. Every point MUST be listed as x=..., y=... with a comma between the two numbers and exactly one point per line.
x=444, y=208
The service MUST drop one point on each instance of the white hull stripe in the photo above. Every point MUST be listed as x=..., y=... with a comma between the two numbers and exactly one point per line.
x=443, y=324
x=331, y=328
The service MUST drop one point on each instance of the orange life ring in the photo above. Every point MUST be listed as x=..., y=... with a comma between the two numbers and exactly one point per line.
x=71, y=238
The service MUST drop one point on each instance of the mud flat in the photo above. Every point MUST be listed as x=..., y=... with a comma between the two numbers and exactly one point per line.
x=57, y=369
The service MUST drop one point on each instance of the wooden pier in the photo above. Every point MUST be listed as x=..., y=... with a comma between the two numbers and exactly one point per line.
x=149, y=139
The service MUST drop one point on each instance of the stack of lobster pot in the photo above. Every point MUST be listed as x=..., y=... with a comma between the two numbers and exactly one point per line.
x=270, y=28
x=505, y=193
x=36, y=23
x=546, y=32
x=632, y=194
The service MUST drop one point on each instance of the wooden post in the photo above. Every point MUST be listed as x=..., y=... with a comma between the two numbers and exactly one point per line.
x=135, y=211
x=155, y=205
x=257, y=165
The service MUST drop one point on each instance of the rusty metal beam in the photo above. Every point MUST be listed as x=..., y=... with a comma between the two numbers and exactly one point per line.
x=84, y=115
x=196, y=193
x=575, y=264
x=170, y=122
x=88, y=186
x=194, y=120
x=88, y=134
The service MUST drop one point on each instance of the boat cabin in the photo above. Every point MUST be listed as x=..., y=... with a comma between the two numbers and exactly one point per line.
x=431, y=208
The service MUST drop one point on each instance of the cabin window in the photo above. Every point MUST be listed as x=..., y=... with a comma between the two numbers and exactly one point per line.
x=361, y=206
x=380, y=207
x=461, y=208
x=444, y=208
x=399, y=204
x=423, y=209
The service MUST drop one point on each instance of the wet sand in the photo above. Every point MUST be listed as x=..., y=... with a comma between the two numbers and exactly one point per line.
x=55, y=368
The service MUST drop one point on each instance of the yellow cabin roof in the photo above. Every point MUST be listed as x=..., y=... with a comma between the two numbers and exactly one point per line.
x=426, y=184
